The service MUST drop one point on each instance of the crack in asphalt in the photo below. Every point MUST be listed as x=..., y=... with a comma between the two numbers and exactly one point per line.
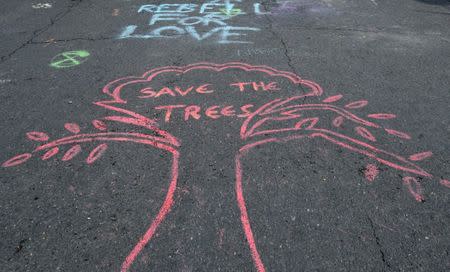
x=377, y=241
x=282, y=41
x=41, y=30
x=279, y=37
x=73, y=39
x=432, y=12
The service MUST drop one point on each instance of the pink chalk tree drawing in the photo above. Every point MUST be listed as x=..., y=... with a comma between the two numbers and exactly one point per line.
x=279, y=120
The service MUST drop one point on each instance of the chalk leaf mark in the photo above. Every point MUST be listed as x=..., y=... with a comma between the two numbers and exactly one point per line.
x=96, y=153
x=72, y=127
x=50, y=153
x=37, y=136
x=71, y=153
x=16, y=160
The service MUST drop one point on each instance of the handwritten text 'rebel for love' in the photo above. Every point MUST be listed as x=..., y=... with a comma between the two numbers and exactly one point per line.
x=201, y=21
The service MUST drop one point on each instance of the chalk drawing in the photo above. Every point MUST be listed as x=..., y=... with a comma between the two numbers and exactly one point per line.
x=445, y=183
x=4, y=81
x=231, y=12
x=371, y=172
x=298, y=112
x=41, y=6
x=286, y=6
x=257, y=9
x=200, y=21
x=49, y=41
x=258, y=51
x=305, y=7
x=69, y=59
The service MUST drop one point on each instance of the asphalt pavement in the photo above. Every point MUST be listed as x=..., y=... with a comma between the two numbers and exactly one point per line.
x=215, y=135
